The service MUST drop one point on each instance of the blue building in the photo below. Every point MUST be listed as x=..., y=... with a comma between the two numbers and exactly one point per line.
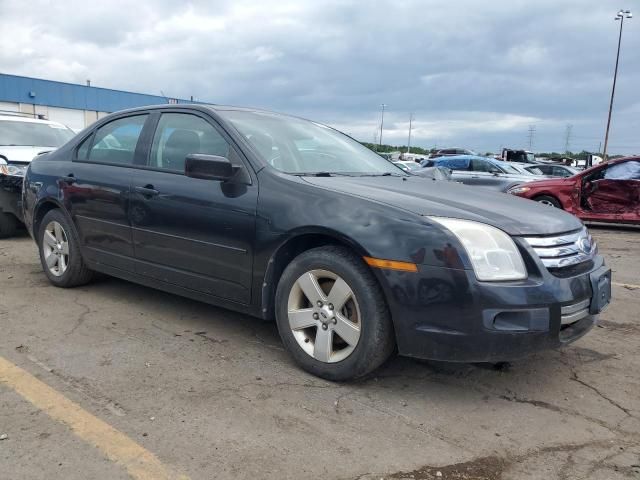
x=76, y=106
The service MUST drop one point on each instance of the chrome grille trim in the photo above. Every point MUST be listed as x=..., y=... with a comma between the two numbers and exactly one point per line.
x=572, y=313
x=564, y=250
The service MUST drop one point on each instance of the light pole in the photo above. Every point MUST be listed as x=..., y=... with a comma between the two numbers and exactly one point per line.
x=621, y=15
x=383, y=105
x=409, y=142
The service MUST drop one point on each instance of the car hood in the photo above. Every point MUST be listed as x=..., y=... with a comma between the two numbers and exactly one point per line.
x=514, y=215
x=552, y=182
x=22, y=153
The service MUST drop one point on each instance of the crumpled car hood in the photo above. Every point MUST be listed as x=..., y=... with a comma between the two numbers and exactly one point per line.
x=22, y=153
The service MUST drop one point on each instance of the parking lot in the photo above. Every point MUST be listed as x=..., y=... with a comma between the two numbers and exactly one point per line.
x=114, y=380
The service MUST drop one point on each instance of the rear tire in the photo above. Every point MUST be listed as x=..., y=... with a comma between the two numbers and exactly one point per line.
x=548, y=200
x=8, y=225
x=337, y=342
x=59, y=250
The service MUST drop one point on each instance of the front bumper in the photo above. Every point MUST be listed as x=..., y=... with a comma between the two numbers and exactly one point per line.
x=11, y=195
x=447, y=314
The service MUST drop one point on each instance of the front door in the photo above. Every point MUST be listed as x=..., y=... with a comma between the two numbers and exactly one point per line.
x=613, y=192
x=194, y=233
x=96, y=190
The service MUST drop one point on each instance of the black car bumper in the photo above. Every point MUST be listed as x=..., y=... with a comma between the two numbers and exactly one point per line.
x=11, y=195
x=447, y=314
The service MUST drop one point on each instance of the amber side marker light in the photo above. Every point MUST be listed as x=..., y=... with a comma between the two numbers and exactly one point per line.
x=391, y=264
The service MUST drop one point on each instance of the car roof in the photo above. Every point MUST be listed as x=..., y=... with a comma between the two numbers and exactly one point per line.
x=23, y=119
x=464, y=157
x=208, y=106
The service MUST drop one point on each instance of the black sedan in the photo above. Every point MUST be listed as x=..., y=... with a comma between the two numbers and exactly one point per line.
x=287, y=219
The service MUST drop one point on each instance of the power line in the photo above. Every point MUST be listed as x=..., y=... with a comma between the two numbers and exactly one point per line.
x=567, y=138
x=532, y=132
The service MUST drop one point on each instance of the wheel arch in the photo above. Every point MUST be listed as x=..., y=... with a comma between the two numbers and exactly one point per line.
x=43, y=207
x=297, y=243
x=548, y=194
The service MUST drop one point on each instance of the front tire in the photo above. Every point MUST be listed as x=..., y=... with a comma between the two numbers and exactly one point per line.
x=332, y=315
x=60, y=254
x=548, y=200
x=8, y=225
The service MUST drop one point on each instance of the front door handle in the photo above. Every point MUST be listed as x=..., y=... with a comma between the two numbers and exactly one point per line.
x=147, y=191
x=69, y=179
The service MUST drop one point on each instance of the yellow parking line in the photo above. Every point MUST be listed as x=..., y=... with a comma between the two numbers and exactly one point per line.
x=139, y=462
x=630, y=286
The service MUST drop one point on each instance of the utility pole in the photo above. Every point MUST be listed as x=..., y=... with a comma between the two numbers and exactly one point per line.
x=409, y=142
x=567, y=138
x=622, y=14
x=383, y=105
x=532, y=132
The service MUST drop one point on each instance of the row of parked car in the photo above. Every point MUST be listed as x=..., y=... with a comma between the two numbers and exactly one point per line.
x=607, y=192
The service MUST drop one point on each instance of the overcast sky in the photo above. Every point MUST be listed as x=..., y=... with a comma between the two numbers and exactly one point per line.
x=476, y=74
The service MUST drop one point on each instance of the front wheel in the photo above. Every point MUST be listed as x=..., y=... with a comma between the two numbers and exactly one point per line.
x=60, y=254
x=332, y=315
x=548, y=200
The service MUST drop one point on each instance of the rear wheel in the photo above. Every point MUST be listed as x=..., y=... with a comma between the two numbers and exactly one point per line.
x=60, y=254
x=548, y=200
x=8, y=225
x=332, y=315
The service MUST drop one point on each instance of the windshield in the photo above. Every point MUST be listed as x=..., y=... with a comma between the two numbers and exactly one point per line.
x=33, y=134
x=302, y=147
x=506, y=168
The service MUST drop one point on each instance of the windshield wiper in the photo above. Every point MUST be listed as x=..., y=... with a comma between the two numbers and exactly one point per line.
x=385, y=174
x=321, y=174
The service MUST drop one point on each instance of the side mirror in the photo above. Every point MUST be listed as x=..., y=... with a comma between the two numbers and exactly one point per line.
x=208, y=167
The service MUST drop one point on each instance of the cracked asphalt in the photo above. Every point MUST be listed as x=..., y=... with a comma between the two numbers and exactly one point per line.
x=212, y=394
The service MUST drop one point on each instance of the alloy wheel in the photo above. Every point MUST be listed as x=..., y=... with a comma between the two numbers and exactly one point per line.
x=324, y=316
x=55, y=247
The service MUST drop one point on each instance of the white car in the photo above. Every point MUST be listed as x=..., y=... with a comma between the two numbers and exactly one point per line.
x=21, y=139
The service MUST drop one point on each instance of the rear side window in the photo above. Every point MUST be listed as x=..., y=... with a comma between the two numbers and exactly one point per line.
x=181, y=134
x=114, y=142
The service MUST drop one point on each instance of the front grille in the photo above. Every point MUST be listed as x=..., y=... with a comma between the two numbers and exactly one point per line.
x=565, y=250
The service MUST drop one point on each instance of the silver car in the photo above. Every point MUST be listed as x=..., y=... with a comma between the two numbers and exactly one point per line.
x=484, y=172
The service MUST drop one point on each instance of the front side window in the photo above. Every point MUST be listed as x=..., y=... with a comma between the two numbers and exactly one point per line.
x=116, y=141
x=181, y=134
x=302, y=147
x=481, y=166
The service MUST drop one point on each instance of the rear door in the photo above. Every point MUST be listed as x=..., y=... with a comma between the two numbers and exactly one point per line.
x=96, y=189
x=194, y=233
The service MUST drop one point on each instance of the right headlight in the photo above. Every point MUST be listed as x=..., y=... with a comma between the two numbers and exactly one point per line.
x=492, y=252
x=518, y=190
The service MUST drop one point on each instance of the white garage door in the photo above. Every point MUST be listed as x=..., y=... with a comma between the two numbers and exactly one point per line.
x=73, y=119
x=9, y=107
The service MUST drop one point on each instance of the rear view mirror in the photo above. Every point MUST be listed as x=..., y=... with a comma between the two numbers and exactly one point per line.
x=208, y=167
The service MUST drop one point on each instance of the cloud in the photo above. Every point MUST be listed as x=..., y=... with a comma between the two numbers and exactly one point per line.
x=475, y=74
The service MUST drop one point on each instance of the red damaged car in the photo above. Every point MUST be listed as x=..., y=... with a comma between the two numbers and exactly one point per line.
x=609, y=192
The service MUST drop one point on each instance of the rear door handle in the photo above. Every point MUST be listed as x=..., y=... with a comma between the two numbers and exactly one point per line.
x=147, y=191
x=69, y=179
